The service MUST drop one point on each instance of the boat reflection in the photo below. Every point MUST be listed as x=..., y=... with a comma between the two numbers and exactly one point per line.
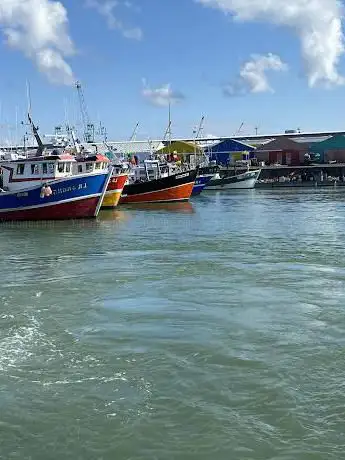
x=183, y=207
x=113, y=215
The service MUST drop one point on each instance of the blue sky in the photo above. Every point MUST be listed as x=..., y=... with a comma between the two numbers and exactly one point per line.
x=228, y=60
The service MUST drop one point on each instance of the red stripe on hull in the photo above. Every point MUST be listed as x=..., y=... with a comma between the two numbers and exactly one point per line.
x=72, y=210
x=178, y=193
x=117, y=182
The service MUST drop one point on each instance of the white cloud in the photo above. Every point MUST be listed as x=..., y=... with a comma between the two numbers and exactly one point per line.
x=106, y=8
x=161, y=96
x=252, y=77
x=317, y=23
x=38, y=28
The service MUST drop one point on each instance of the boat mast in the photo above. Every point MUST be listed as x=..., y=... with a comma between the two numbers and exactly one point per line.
x=167, y=134
x=28, y=96
x=197, y=133
x=34, y=128
x=16, y=132
x=131, y=139
x=75, y=142
x=169, y=128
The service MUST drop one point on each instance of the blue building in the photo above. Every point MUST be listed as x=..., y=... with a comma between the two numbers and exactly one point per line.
x=229, y=150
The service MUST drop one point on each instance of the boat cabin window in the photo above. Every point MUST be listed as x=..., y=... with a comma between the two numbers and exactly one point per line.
x=98, y=165
x=80, y=168
x=61, y=167
x=20, y=169
x=68, y=167
x=89, y=167
x=48, y=168
x=35, y=169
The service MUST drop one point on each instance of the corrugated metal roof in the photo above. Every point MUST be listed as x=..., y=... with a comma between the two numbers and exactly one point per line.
x=134, y=147
x=282, y=143
x=258, y=142
x=310, y=140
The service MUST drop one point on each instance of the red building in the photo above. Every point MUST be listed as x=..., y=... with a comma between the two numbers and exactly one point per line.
x=282, y=151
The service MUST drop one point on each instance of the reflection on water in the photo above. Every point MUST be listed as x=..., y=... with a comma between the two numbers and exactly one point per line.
x=114, y=215
x=184, y=207
x=54, y=224
x=117, y=215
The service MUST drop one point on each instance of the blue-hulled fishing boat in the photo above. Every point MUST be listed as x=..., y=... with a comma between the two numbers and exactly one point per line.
x=201, y=182
x=49, y=188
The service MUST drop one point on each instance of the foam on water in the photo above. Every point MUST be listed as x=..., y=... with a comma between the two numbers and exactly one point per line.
x=18, y=342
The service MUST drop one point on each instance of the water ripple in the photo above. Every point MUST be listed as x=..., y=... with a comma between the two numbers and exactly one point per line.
x=215, y=330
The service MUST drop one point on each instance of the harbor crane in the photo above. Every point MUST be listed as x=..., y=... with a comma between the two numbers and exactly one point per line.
x=199, y=130
x=89, y=127
x=239, y=129
x=134, y=133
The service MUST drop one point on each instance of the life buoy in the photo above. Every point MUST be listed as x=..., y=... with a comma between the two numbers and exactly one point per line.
x=46, y=191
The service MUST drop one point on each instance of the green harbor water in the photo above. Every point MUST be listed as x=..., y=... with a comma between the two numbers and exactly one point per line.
x=213, y=329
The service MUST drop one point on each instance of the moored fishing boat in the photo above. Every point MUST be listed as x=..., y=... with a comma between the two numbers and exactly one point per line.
x=245, y=180
x=114, y=191
x=166, y=188
x=92, y=163
x=200, y=183
x=45, y=188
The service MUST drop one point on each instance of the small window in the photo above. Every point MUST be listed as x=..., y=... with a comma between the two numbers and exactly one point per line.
x=80, y=168
x=20, y=169
x=89, y=167
x=61, y=167
x=44, y=168
x=98, y=165
x=51, y=168
x=35, y=169
x=68, y=167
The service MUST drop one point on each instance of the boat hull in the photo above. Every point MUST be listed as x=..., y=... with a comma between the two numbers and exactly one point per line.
x=114, y=190
x=177, y=187
x=81, y=209
x=71, y=198
x=246, y=180
x=200, y=183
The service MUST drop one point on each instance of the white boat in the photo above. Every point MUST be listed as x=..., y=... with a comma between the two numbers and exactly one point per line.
x=246, y=180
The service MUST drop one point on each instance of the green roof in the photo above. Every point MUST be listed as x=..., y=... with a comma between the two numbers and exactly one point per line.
x=333, y=143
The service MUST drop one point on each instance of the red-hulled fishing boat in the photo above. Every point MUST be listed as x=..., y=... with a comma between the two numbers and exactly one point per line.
x=171, y=187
